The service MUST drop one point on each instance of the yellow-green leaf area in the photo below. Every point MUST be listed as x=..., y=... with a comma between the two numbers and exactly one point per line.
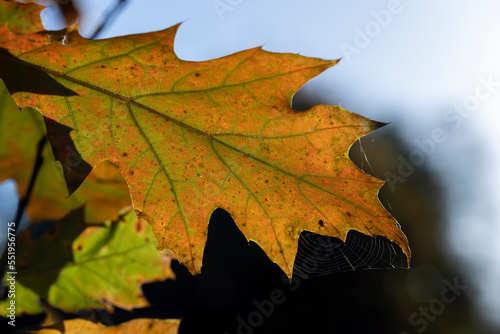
x=77, y=266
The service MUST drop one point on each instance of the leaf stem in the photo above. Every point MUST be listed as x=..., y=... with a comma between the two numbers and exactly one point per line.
x=23, y=202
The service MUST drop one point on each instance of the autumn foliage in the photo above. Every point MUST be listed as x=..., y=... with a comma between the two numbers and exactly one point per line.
x=125, y=115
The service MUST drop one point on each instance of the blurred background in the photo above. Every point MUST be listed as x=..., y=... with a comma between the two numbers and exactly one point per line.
x=429, y=69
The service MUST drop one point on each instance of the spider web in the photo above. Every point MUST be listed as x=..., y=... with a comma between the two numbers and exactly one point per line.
x=319, y=255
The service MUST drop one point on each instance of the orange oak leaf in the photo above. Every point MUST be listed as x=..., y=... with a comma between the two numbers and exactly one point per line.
x=193, y=136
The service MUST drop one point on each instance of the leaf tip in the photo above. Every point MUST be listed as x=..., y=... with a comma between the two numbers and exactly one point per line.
x=334, y=62
x=375, y=125
x=175, y=28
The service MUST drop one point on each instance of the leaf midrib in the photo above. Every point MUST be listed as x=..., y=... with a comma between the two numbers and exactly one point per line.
x=187, y=126
x=212, y=137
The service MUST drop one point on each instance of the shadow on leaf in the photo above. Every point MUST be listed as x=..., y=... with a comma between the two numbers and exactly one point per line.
x=75, y=168
x=14, y=72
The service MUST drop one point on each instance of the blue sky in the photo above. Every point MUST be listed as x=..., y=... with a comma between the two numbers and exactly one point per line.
x=421, y=65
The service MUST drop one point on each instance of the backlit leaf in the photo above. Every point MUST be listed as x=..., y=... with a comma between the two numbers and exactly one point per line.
x=193, y=136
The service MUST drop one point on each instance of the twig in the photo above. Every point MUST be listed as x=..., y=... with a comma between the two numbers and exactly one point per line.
x=108, y=16
x=23, y=201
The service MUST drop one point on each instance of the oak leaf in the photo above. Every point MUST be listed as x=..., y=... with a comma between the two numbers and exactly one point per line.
x=193, y=136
